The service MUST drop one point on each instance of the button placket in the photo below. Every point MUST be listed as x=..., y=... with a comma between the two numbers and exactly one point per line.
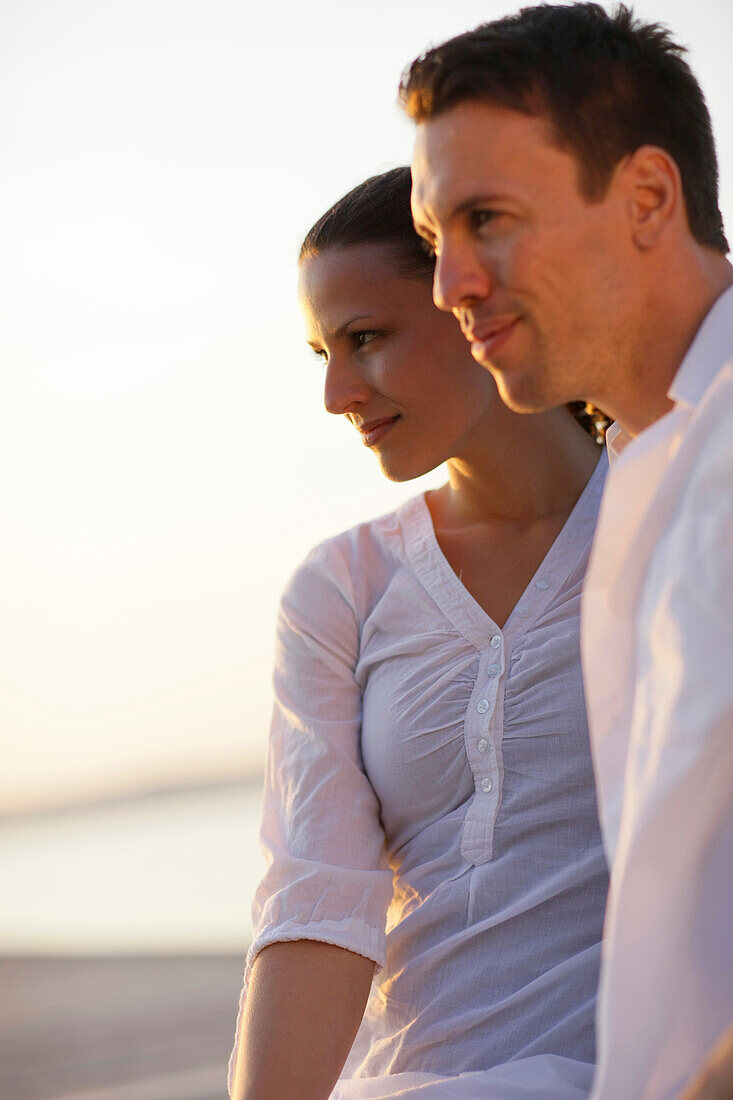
x=484, y=763
x=480, y=732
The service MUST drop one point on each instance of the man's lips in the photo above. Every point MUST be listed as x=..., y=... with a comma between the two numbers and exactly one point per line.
x=374, y=430
x=486, y=340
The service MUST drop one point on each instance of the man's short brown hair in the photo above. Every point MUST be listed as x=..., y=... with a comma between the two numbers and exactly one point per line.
x=607, y=83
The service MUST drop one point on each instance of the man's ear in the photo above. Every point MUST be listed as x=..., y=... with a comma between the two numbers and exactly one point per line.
x=654, y=194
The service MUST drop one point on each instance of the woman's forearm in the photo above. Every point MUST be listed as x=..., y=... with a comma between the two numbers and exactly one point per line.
x=304, y=1004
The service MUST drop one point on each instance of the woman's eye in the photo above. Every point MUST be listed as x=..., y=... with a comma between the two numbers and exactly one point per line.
x=363, y=337
x=320, y=354
x=428, y=247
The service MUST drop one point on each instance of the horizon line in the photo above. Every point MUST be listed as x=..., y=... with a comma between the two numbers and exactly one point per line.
x=145, y=793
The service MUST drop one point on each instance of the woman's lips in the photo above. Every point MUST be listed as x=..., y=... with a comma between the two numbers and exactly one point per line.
x=484, y=350
x=375, y=430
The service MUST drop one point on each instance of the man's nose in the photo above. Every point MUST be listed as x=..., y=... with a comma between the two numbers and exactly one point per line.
x=344, y=388
x=460, y=278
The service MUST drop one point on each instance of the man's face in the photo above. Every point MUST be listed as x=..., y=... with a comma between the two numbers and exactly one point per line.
x=541, y=279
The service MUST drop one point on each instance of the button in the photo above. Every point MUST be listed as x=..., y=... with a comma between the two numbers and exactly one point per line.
x=494, y=670
x=482, y=745
x=482, y=706
x=544, y=585
x=496, y=641
x=522, y=611
x=486, y=785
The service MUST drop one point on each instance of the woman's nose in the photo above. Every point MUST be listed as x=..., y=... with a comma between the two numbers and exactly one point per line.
x=344, y=387
x=460, y=277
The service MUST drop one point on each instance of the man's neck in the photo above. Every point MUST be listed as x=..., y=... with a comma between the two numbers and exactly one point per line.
x=642, y=396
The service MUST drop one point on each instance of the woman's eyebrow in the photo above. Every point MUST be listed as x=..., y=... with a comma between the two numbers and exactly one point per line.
x=343, y=329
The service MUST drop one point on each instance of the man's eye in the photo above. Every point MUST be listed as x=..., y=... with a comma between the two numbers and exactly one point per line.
x=320, y=353
x=480, y=218
x=428, y=247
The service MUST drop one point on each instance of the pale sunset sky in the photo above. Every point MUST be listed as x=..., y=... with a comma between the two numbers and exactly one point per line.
x=166, y=459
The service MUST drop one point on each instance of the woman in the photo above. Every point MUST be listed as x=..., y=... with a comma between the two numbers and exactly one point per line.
x=430, y=814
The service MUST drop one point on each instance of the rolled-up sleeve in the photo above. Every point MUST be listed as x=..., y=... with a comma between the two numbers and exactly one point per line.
x=327, y=877
x=321, y=832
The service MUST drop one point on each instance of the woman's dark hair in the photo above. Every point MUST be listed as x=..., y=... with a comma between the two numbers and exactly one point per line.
x=608, y=83
x=377, y=211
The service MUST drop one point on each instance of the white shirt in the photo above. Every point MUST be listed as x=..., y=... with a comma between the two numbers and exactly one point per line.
x=430, y=804
x=658, y=662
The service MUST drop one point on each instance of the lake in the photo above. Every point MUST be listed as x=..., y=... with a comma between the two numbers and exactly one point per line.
x=165, y=872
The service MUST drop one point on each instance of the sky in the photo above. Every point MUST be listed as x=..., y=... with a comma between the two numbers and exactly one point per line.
x=166, y=459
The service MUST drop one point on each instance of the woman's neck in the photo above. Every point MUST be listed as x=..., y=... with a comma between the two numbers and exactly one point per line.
x=521, y=469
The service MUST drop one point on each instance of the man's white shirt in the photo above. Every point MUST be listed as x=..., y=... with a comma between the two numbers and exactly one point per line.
x=657, y=646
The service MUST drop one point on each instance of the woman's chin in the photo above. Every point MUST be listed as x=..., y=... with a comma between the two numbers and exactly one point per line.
x=405, y=471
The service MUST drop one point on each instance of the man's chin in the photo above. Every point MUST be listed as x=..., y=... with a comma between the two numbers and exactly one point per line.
x=518, y=392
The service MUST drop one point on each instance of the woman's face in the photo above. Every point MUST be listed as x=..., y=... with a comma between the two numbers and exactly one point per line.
x=396, y=367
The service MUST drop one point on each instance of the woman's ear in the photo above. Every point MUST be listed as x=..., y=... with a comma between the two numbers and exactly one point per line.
x=654, y=194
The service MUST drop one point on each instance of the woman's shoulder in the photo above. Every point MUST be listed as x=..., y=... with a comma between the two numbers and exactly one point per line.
x=356, y=561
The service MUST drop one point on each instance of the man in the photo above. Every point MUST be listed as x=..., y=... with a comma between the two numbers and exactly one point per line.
x=565, y=175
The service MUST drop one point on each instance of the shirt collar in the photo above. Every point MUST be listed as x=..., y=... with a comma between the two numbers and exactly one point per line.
x=711, y=348
x=709, y=351
x=616, y=440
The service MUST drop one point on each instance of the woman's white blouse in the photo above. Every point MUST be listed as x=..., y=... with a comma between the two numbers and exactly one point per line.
x=429, y=801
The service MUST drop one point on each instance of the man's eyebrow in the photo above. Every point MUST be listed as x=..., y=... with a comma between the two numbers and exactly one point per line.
x=477, y=199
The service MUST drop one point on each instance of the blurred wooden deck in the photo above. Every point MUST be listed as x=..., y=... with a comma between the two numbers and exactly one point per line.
x=153, y=1028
